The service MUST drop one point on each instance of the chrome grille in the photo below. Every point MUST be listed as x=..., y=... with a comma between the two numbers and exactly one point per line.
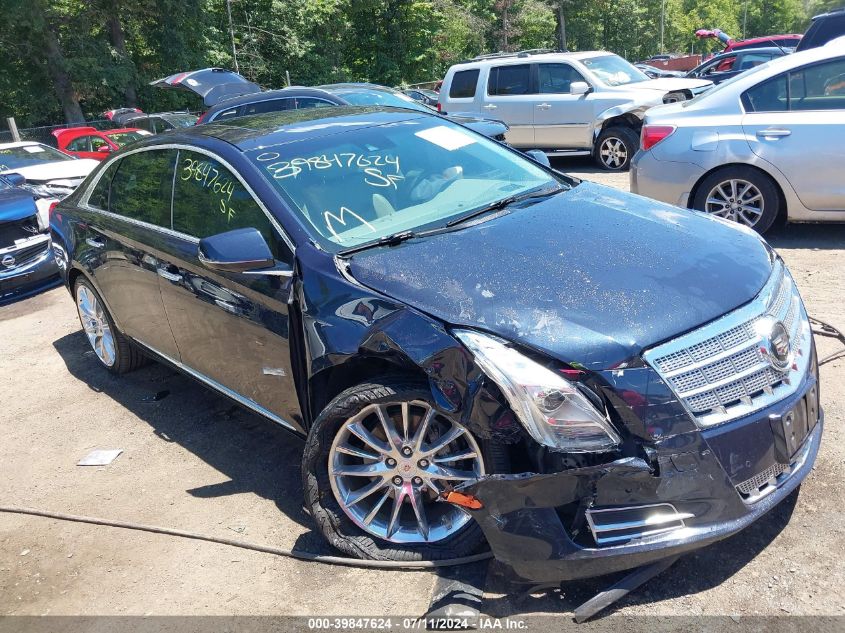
x=723, y=370
x=610, y=525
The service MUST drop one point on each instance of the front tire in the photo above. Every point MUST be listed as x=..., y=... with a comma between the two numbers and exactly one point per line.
x=374, y=462
x=615, y=147
x=742, y=194
x=114, y=351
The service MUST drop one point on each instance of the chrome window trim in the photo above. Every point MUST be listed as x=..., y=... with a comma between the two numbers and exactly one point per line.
x=234, y=395
x=772, y=302
x=83, y=202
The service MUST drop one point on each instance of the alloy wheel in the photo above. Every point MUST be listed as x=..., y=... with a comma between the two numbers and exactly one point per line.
x=96, y=325
x=737, y=200
x=389, y=463
x=613, y=152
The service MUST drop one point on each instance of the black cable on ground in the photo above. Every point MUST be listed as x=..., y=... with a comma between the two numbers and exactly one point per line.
x=267, y=549
x=825, y=329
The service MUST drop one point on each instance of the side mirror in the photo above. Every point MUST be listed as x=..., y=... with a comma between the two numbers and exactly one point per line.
x=538, y=157
x=15, y=179
x=104, y=149
x=238, y=251
x=579, y=88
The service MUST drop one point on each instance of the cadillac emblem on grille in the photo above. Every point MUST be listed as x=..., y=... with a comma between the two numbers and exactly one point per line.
x=778, y=346
x=8, y=261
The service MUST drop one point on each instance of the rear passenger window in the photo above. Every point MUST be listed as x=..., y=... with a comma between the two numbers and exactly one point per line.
x=818, y=87
x=141, y=188
x=509, y=80
x=769, y=96
x=463, y=84
x=273, y=105
x=100, y=196
x=209, y=200
x=311, y=102
x=557, y=78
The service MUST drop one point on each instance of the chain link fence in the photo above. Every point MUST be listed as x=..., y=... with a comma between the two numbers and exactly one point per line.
x=44, y=134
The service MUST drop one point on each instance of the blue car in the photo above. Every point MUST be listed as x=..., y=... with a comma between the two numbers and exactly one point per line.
x=478, y=350
x=27, y=265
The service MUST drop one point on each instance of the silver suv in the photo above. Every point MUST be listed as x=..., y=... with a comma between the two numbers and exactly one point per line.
x=564, y=103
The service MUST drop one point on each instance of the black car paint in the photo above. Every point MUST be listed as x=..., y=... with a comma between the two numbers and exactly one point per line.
x=339, y=321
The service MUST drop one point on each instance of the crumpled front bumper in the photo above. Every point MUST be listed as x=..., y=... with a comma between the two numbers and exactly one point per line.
x=522, y=520
x=30, y=278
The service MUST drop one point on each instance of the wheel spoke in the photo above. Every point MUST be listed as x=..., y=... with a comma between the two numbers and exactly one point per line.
x=358, y=430
x=453, y=433
x=450, y=474
x=372, y=513
x=365, y=491
x=393, y=525
x=415, y=497
x=357, y=452
x=406, y=421
x=389, y=428
x=361, y=470
x=456, y=457
x=422, y=430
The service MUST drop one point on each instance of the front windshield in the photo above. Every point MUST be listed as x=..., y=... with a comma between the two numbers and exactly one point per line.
x=613, y=70
x=382, y=98
x=181, y=120
x=122, y=138
x=359, y=185
x=29, y=156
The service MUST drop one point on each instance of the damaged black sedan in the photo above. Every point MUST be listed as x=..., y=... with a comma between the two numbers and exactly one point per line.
x=477, y=349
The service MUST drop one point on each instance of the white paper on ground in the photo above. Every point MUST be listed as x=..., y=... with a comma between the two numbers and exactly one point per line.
x=100, y=457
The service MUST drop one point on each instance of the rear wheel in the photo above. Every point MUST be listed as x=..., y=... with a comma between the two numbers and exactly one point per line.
x=375, y=462
x=114, y=351
x=742, y=194
x=615, y=147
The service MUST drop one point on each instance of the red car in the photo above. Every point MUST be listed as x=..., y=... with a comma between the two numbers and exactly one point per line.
x=785, y=41
x=89, y=142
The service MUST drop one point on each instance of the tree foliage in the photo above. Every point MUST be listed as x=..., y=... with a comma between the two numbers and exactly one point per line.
x=65, y=60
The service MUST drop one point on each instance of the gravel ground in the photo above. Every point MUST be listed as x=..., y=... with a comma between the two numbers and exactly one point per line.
x=193, y=461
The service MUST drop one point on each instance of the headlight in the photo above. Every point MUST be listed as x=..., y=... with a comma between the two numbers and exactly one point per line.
x=552, y=409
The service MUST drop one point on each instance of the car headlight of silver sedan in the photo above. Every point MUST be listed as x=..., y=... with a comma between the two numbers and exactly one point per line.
x=552, y=409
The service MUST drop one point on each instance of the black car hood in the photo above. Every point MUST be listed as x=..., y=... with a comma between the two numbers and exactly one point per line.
x=590, y=276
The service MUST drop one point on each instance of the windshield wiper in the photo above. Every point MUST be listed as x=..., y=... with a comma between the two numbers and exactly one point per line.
x=388, y=240
x=505, y=202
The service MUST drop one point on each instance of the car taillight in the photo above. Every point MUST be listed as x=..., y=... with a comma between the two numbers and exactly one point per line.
x=653, y=134
x=52, y=208
x=439, y=107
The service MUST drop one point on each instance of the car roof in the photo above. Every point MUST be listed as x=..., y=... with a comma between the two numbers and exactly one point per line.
x=277, y=128
x=19, y=144
x=269, y=95
x=524, y=58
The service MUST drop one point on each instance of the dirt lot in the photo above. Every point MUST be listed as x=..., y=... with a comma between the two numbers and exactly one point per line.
x=193, y=461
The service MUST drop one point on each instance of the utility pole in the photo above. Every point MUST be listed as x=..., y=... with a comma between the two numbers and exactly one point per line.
x=662, y=21
x=562, y=34
x=232, y=34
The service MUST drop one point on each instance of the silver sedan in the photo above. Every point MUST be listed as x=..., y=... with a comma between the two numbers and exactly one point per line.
x=765, y=146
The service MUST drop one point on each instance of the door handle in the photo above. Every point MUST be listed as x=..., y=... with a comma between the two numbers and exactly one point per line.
x=490, y=106
x=93, y=242
x=166, y=274
x=544, y=106
x=773, y=133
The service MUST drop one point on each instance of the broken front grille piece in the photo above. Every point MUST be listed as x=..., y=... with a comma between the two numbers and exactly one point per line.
x=612, y=526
